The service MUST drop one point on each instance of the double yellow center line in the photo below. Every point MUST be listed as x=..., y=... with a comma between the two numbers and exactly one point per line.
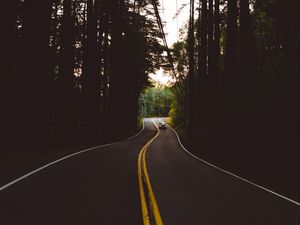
x=144, y=182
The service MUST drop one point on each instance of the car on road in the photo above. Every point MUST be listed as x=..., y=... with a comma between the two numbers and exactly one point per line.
x=162, y=125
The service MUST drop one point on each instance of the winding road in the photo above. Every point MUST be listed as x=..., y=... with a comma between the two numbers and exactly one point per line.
x=147, y=179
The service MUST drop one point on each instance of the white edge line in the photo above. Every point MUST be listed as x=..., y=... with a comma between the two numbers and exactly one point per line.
x=232, y=174
x=66, y=157
x=143, y=127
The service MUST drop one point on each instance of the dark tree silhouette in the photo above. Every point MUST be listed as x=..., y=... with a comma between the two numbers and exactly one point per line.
x=74, y=69
x=230, y=67
x=191, y=96
x=65, y=94
x=7, y=64
x=91, y=75
x=202, y=66
x=33, y=71
x=247, y=49
x=211, y=48
x=217, y=37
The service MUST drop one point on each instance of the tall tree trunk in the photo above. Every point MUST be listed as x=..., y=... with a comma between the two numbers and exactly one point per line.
x=230, y=67
x=105, y=79
x=217, y=37
x=34, y=71
x=8, y=53
x=247, y=56
x=117, y=85
x=191, y=106
x=91, y=75
x=65, y=98
x=211, y=58
x=287, y=23
x=202, y=50
x=202, y=67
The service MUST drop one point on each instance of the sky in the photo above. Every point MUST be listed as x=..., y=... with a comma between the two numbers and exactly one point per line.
x=172, y=24
x=168, y=10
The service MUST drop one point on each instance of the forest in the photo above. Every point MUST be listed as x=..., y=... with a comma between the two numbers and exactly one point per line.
x=156, y=101
x=73, y=72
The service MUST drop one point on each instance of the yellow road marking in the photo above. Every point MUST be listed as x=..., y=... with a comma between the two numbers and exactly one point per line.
x=145, y=214
x=142, y=170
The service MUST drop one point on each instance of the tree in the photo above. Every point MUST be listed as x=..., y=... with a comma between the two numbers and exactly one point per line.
x=155, y=102
x=230, y=67
x=65, y=95
x=217, y=37
x=202, y=47
x=211, y=48
x=178, y=112
x=33, y=71
x=191, y=84
x=202, y=66
x=7, y=63
x=91, y=81
x=247, y=49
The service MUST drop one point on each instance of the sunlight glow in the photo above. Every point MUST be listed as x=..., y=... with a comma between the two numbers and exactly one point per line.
x=161, y=78
x=174, y=15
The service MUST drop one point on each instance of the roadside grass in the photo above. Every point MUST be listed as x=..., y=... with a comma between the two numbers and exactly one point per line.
x=179, y=127
x=169, y=121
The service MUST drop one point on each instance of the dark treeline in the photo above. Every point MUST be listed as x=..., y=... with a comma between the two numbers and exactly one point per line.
x=237, y=71
x=72, y=70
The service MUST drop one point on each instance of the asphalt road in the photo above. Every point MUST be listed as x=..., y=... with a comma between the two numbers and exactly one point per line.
x=139, y=181
x=191, y=192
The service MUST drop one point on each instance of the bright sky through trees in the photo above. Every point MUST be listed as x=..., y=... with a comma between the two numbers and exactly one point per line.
x=174, y=14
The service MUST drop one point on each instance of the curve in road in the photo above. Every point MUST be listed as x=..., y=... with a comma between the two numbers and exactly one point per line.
x=100, y=186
